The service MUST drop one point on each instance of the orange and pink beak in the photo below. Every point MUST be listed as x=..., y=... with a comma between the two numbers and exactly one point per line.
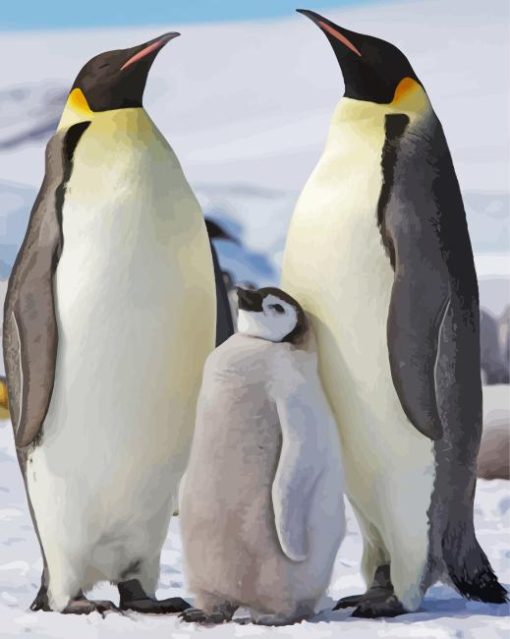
x=331, y=30
x=150, y=48
x=373, y=69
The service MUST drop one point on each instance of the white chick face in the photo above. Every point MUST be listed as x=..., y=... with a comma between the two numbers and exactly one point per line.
x=271, y=314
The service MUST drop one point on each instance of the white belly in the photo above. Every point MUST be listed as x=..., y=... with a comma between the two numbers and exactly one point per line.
x=335, y=264
x=135, y=305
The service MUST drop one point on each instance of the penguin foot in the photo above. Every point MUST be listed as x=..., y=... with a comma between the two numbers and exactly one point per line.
x=82, y=606
x=196, y=615
x=133, y=597
x=380, y=590
x=349, y=602
x=373, y=595
x=373, y=608
x=155, y=607
x=41, y=600
x=276, y=619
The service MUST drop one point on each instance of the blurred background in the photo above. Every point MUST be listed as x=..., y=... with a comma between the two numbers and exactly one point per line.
x=245, y=97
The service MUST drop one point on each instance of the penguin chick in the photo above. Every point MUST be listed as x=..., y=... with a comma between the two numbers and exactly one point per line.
x=261, y=503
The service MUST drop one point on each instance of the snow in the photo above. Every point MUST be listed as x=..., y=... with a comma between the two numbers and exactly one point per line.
x=246, y=106
x=443, y=613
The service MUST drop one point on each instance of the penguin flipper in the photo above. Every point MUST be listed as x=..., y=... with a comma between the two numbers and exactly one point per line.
x=423, y=225
x=301, y=463
x=30, y=327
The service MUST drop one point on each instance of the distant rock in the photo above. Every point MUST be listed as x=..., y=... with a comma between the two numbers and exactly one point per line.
x=494, y=455
x=504, y=336
x=494, y=368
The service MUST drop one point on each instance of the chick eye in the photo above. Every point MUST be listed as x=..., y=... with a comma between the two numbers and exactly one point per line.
x=278, y=308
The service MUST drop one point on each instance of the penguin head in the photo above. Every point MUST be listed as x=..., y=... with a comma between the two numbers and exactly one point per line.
x=114, y=79
x=374, y=70
x=271, y=314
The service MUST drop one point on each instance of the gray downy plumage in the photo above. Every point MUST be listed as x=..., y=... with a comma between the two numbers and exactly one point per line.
x=261, y=521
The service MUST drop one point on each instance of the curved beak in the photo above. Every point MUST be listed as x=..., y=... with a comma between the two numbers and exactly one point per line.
x=333, y=31
x=148, y=50
x=249, y=300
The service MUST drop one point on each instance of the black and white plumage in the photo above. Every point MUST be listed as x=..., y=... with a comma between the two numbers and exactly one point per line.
x=109, y=316
x=379, y=255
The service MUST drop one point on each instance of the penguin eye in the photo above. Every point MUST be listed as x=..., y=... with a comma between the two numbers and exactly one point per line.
x=278, y=308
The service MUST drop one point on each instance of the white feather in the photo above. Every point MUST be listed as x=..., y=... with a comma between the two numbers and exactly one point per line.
x=268, y=323
x=336, y=267
x=135, y=304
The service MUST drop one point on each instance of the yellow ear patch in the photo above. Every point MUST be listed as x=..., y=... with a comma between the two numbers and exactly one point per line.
x=78, y=102
x=404, y=88
x=77, y=109
x=4, y=402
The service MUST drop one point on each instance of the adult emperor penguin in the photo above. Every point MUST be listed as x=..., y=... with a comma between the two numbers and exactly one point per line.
x=111, y=298
x=378, y=253
x=262, y=499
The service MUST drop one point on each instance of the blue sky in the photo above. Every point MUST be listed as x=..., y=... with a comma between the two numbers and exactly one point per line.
x=60, y=14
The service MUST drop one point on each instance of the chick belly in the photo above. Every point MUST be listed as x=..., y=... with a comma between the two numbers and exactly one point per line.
x=231, y=547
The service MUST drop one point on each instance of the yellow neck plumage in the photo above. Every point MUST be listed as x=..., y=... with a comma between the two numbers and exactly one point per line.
x=409, y=98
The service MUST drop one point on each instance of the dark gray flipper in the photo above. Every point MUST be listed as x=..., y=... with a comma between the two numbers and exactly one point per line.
x=224, y=321
x=433, y=334
x=30, y=328
x=414, y=205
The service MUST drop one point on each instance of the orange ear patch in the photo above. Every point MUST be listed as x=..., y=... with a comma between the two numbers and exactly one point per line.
x=404, y=87
x=339, y=36
x=78, y=102
x=4, y=402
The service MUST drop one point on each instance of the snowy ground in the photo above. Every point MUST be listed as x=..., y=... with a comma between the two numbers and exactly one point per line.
x=443, y=615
